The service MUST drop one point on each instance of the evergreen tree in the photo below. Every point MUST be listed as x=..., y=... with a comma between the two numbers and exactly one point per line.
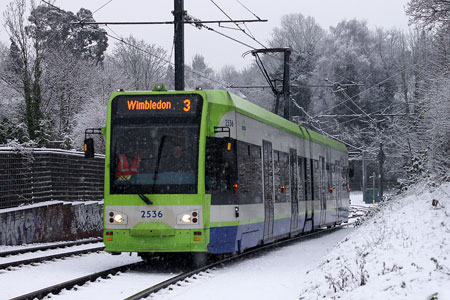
x=59, y=29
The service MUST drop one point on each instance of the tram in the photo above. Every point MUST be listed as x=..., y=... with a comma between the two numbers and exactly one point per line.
x=206, y=171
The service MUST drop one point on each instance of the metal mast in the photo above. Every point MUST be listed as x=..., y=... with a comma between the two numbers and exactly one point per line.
x=179, y=14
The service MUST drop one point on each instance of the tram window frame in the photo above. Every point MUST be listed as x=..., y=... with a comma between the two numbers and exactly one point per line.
x=282, y=162
x=306, y=178
x=223, y=163
x=249, y=173
x=315, y=179
x=122, y=117
x=301, y=179
x=141, y=184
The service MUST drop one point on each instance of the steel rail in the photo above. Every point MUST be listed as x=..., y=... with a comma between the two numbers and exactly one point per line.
x=183, y=276
x=49, y=247
x=48, y=257
x=55, y=289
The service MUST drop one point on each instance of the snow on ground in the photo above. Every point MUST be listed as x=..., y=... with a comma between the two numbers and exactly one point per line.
x=403, y=252
x=25, y=279
x=4, y=248
x=272, y=275
x=118, y=287
x=40, y=253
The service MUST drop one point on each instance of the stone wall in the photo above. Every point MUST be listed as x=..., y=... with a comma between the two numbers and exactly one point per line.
x=51, y=222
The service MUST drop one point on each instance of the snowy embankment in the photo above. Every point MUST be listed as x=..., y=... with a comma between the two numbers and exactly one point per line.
x=403, y=252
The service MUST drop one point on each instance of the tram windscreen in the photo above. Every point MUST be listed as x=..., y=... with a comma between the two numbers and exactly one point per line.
x=152, y=151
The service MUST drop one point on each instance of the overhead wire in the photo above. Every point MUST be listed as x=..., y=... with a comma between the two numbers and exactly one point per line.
x=354, y=103
x=248, y=9
x=369, y=88
x=265, y=74
x=166, y=60
x=200, y=25
x=320, y=129
x=102, y=6
x=197, y=24
x=120, y=39
x=351, y=99
x=237, y=25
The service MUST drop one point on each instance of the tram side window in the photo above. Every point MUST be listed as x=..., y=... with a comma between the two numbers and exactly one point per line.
x=301, y=179
x=306, y=178
x=330, y=175
x=249, y=173
x=281, y=174
x=219, y=165
x=316, y=179
x=344, y=177
x=323, y=185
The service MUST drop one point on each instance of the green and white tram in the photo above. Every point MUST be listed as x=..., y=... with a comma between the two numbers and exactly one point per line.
x=207, y=171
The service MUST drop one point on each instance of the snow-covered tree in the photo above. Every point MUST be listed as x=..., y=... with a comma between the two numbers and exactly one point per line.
x=431, y=75
x=11, y=125
x=27, y=54
x=430, y=13
x=56, y=29
x=142, y=63
x=50, y=59
x=304, y=36
x=199, y=74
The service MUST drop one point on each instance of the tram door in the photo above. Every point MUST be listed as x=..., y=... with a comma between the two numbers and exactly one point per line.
x=309, y=197
x=338, y=181
x=268, y=189
x=293, y=174
x=324, y=190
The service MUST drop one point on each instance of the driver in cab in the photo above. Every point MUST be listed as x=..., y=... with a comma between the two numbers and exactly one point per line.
x=127, y=164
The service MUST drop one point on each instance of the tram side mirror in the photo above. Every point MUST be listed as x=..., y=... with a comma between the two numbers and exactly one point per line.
x=89, y=142
x=89, y=148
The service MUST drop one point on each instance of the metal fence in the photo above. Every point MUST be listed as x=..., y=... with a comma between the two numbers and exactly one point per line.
x=36, y=175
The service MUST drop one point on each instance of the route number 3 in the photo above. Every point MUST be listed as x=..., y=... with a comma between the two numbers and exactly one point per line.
x=187, y=105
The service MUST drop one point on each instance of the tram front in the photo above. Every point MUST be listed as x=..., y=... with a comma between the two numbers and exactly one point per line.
x=154, y=196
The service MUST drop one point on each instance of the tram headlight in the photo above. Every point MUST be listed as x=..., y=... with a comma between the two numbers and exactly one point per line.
x=186, y=218
x=118, y=218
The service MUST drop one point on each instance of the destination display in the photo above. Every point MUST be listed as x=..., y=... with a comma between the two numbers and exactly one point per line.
x=157, y=104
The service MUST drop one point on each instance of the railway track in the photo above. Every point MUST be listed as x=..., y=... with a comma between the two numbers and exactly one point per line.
x=44, y=257
x=184, y=276
x=50, y=247
x=55, y=289
x=177, y=279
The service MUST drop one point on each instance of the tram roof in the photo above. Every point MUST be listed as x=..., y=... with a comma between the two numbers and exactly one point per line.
x=225, y=98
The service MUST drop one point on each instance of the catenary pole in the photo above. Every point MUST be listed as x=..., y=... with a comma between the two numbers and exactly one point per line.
x=364, y=176
x=179, y=14
x=381, y=159
x=286, y=85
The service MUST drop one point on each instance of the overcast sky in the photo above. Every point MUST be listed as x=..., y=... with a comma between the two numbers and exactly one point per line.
x=219, y=51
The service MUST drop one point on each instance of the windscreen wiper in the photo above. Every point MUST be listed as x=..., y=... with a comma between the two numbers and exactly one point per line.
x=158, y=158
x=145, y=199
